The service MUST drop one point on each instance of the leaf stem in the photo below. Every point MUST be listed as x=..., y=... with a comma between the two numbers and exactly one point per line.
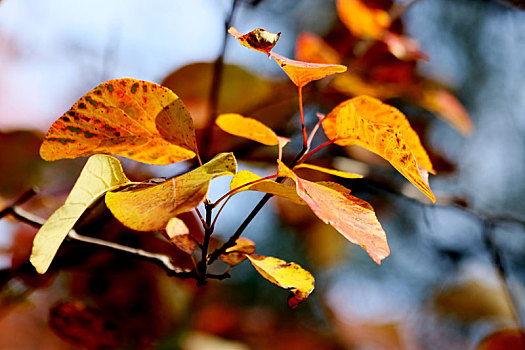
x=301, y=112
x=316, y=127
x=318, y=148
x=242, y=186
x=208, y=231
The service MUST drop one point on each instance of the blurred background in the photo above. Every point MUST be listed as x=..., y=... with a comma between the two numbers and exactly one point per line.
x=455, y=276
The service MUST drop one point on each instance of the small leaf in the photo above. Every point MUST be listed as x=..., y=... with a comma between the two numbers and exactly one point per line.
x=237, y=254
x=352, y=217
x=403, y=47
x=328, y=171
x=100, y=174
x=285, y=275
x=382, y=129
x=362, y=21
x=258, y=39
x=245, y=178
x=248, y=128
x=312, y=48
x=136, y=119
x=179, y=235
x=301, y=73
x=151, y=208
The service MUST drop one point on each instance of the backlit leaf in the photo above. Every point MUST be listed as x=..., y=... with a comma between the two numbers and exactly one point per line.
x=151, y=208
x=100, y=174
x=362, y=21
x=253, y=182
x=285, y=275
x=249, y=128
x=179, y=235
x=126, y=117
x=446, y=106
x=352, y=217
x=328, y=171
x=237, y=254
x=403, y=47
x=312, y=48
x=301, y=73
x=382, y=129
x=258, y=39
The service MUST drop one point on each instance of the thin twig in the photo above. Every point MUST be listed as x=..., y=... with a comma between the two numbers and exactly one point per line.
x=208, y=231
x=161, y=260
x=303, y=127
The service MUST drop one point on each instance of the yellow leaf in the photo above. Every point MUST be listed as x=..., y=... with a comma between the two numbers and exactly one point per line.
x=285, y=275
x=126, y=117
x=258, y=39
x=179, y=235
x=151, y=208
x=328, y=171
x=253, y=182
x=100, y=174
x=248, y=128
x=312, y=48
x=352, y=217
x=301, y=73
x=362, y=21
x=382, y=129
x=237, y=254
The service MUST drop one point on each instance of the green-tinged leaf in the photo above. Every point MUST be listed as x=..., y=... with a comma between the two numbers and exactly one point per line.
x=352, y=217
x=100, y=174
x=248, y=128
x=285, y=275
x=247, y=181
x=339, y=173
x=382, y=129
x=237, y=254
x=151, y=208
x=179, y=235
x=126, y=117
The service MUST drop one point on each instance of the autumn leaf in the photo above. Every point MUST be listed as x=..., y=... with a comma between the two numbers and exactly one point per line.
x=236, y=254
x=301, y=73
x=339, y=173
x=245, y=180
x=503, y=339
x=403, y=47
x=258, y=39
x=248, y=128
x=179, y=235
x=446, y=106
x=312, y=48
x=382, y=129
x=151, y=208
x=352, y=217
x=285, y=275
x=100, y=174
x=126, y=117
x=362, y=21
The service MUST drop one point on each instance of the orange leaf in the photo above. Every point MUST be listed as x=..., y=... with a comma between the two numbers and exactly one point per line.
x=446, y=106
x=253, y=182
x=403, y=47
x=352, y=217
x=258, y=39
x=312, y=48
x=248, y=128
x=126, y=117
x=382, y=129
x=237, y=254
x=179, y=235
x=361, y=20
x=285, y=275
x=148, y=209
x=339, y=173
x=301, y=73
x=503, y=339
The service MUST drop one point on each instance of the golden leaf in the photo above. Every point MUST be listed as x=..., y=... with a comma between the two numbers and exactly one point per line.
x=339, y=173
x=151, y=208
x=248, y=128
x=285, y=275
x=362, y=21
x=237, y=254
x=126, y=117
